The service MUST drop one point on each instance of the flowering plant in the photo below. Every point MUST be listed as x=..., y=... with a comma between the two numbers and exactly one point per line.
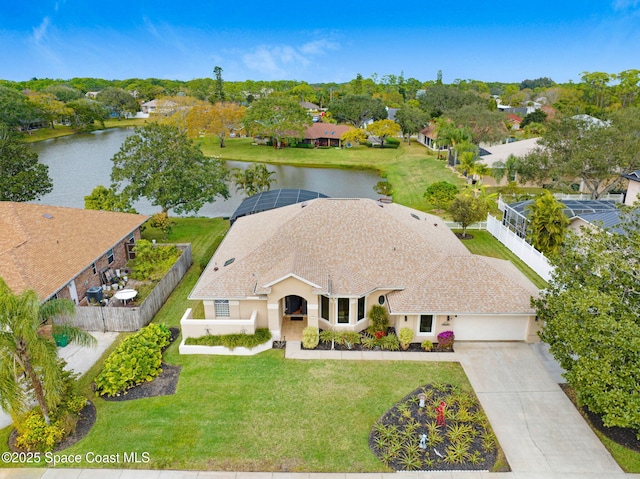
x=445, y=340
x=379, y=334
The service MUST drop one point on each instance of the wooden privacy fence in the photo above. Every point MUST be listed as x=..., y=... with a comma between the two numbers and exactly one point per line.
x=115, y=318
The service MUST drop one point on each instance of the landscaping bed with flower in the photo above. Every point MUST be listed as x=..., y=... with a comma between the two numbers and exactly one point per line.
x=378, y=336
x=437, y=427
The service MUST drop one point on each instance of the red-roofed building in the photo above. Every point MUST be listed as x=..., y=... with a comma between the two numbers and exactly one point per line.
x=325, y=134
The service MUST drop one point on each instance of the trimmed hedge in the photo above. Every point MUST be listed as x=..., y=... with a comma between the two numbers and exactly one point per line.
x=232, y=341
x=136, y=360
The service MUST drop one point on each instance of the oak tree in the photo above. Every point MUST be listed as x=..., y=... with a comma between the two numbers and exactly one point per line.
x=22, y=177
x=163, y=165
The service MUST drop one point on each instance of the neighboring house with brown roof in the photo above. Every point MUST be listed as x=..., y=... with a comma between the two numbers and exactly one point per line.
x=428, y=137
x=325, y=134
x=514, y=121
x=325, y=262
x=491, y=154
x=61, y=252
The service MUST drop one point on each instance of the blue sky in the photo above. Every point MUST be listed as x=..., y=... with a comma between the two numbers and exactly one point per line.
x=318, y=41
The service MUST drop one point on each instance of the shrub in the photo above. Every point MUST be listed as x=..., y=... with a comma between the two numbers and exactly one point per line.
x=427, y=345
x=405, y=336
x=379, y=319
x=232, y=341
x=310, y=337
x=391, y=142
x=445, y=340
x=162, y=222
x=328, y=336
x=37, y=435
x=389, y=342
x=152, y=262
x=348, y=338
x=136, y=360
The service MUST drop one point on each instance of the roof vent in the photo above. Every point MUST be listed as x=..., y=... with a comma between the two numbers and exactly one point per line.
x=229, y=261
x=379, y=203
x=47, y=215
x=303, y=204
x=415, y=216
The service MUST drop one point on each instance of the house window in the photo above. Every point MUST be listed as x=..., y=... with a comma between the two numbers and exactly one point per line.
x=110, y=256
x=426, y=323
x=324, y=307
x=361, y=309
x=132, y=238
x=93, y=268
x=343, y=310
x=221, y=307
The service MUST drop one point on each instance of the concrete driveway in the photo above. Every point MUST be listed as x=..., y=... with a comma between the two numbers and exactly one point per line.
x=539, y=429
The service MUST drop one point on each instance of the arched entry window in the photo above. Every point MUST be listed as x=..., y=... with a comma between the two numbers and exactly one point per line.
x=295, y=306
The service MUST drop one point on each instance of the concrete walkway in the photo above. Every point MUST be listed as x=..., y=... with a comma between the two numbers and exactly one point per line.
x=78, y=360
x=542, y=434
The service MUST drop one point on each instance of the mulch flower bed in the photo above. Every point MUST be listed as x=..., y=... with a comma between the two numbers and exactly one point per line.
x=164, y=384
x=86, y=420
x=624, y=436
x=413, y=347
x=453, y=436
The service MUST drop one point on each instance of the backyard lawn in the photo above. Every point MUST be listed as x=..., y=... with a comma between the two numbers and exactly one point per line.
x=409, y=168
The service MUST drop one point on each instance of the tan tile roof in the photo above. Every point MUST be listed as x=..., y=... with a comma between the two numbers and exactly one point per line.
x=44, y=253
x=350, y=247
x=326, y=130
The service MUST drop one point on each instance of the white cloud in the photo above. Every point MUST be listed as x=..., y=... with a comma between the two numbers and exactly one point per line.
x=151, y=28
x=625, y=4
x=318, y=47
x=274, y=60
x=40, y=31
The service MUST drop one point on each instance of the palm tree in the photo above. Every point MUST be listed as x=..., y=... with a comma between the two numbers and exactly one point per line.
x=29, y=362
x=547, y=224
x=255, y=179
x=450, y=136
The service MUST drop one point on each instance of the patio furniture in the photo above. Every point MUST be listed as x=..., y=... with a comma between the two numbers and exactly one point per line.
x=125, y=295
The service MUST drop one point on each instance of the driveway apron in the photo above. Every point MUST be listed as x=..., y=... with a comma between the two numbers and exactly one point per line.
x=538, y=427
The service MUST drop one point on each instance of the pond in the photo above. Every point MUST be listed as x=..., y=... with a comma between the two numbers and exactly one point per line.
x=79, y=163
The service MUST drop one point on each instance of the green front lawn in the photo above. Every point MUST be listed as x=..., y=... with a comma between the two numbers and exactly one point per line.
x=262, y=413
x=410, y=168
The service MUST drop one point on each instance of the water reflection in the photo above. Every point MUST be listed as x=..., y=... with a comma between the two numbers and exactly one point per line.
x=79, y=163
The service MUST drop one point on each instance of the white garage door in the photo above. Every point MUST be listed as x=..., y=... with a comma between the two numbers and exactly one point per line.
x=490, y=328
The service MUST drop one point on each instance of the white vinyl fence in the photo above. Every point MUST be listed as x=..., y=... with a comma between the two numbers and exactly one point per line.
x=523, y=250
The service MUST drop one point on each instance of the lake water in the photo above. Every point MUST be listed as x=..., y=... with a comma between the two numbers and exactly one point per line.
x=79, y=163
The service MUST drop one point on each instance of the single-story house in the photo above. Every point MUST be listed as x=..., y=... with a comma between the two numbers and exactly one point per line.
x=579, y=212
x=490, y=154
x=325, y=262
x=514, y=121
x=61, y=252
x=633, y=190
x=158, y=106
x=428, y=137
x=325, y=134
